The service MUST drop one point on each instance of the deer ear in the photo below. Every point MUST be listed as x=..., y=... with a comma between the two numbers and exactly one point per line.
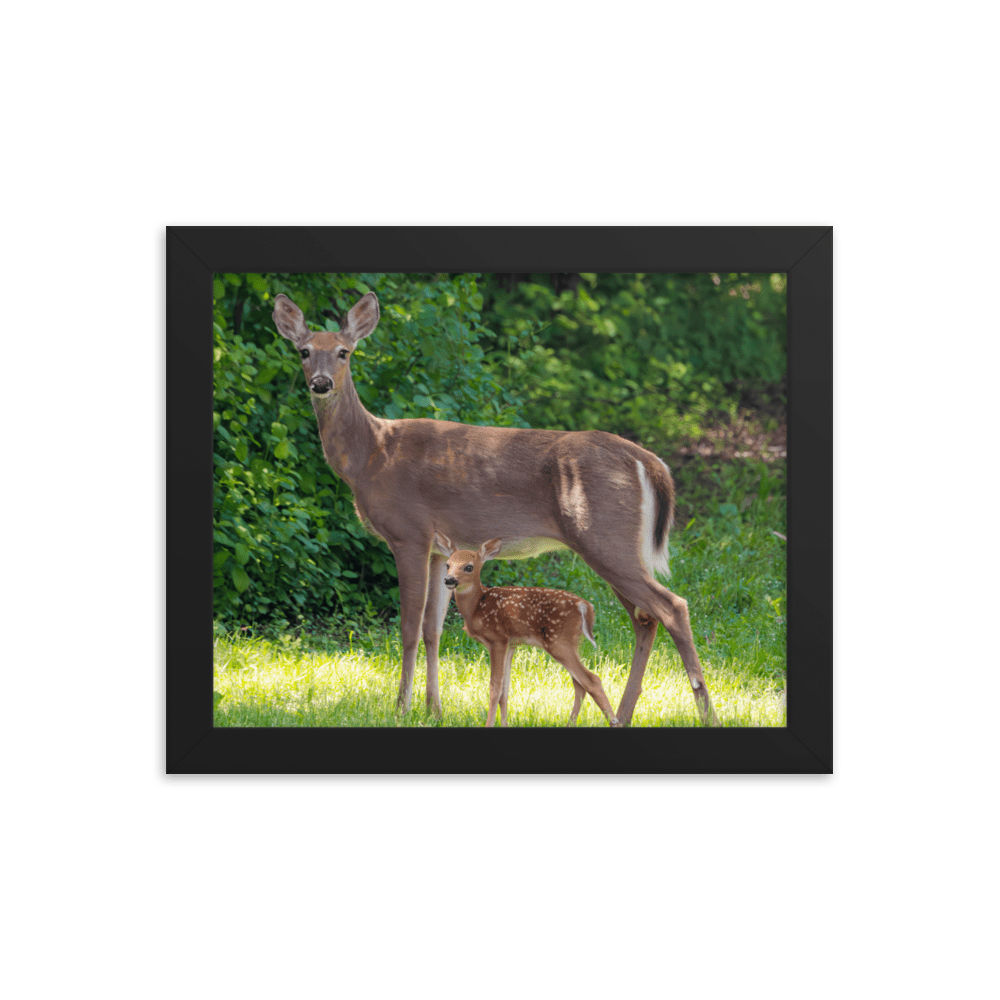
x=443, y=542
x=362, y=318
x=490, y=550
x=289, y=320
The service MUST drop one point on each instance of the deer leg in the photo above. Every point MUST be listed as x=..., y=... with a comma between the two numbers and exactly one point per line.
x=683, y=637
x=578, y=692
x=498, y=654
x=672, y=612
x=411, y=567
x=505, y=688
x=570, y=659
x=645, y=634
x=434, y=612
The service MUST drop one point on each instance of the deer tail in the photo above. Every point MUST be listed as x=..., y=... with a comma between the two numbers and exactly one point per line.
x=657, y=513
x=587, y=616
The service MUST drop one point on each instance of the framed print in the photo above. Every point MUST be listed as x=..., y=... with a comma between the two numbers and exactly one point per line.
x=803, y=260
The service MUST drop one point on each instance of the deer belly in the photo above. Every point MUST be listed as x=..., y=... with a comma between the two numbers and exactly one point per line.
x=526, y=548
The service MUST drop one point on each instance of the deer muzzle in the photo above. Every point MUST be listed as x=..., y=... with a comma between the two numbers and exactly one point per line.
x=320, y=384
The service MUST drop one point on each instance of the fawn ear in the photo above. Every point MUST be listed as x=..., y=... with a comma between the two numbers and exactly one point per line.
x=490, y=550
x=362, y=318
x=289, y=320
x=443, y=542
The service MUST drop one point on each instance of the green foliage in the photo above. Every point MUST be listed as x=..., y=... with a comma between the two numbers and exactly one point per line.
x=729, y=563
x=288, y=543
x=650, y=356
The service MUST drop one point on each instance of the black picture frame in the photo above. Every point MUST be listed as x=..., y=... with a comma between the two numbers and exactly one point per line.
x=804, y=746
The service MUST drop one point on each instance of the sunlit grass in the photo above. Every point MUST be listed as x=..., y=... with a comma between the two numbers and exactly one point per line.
x=275, y=683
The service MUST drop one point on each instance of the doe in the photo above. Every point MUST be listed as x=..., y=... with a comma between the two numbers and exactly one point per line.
x=608, y=500
x=504, y=617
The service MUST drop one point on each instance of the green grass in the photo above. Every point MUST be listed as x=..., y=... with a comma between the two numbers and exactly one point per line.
x=266, y=683
x=726, y=561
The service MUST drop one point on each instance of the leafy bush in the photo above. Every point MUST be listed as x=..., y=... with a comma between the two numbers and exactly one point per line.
x=649, y=356
x=287, y=540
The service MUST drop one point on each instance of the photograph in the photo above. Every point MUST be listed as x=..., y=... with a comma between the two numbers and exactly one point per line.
x=577, y=458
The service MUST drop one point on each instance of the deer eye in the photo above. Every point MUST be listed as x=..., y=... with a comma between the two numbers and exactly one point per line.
x=343, y=353
x=303, y=354
x=468, y=569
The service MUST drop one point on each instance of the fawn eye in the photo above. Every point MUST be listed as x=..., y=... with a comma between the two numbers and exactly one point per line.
x=343, y=353
x=303, y=354
x=468, y=569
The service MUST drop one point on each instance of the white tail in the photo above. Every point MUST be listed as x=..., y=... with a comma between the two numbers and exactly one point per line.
x=607, y=499
x=502, y=618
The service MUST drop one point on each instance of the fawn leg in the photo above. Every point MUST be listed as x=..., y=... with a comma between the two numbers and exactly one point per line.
x=567, y=655
x=498, y=653
x=578, y=693
x=505, y=688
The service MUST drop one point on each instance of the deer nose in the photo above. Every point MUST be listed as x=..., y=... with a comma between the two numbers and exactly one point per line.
x=451, y=582
x=320, y=384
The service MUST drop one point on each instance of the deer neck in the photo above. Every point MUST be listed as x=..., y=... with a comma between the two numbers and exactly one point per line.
x=348, y=432
x=468, y=600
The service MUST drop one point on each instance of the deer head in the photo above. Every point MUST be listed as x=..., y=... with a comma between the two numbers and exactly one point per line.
x=463, y=567
x=326, y=355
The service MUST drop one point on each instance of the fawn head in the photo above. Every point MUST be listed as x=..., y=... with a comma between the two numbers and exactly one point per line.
x=462, y=571
x=326, y=355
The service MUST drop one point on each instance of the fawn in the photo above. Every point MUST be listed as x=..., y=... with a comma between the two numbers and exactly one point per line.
x=504, y=617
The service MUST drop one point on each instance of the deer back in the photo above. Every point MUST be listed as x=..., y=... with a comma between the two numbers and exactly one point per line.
x=535, y=615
